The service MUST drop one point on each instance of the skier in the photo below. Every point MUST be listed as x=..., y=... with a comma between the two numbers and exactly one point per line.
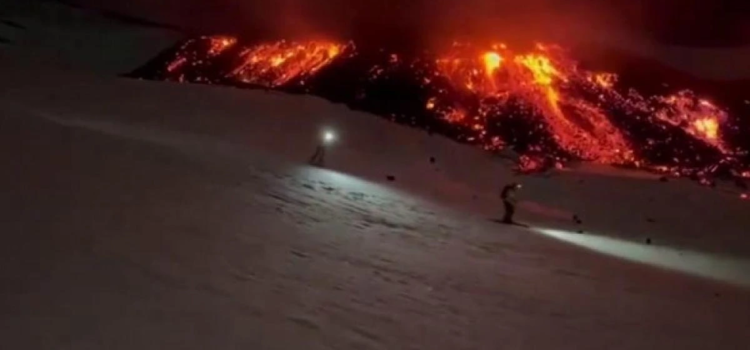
x=318, y=158
x=508, y=196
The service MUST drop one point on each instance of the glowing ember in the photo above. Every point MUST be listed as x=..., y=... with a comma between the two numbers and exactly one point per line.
x=455, y=116
x=708, y=127
x=430, y=104
x=492, y=62
x=219, y=44
x=540, y=101
x=605, y=80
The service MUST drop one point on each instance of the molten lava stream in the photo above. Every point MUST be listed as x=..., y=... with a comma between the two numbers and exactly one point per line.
x=276, y=64
x=477, y=91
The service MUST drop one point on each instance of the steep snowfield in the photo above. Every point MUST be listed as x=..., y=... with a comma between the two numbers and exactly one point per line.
x=138, y=215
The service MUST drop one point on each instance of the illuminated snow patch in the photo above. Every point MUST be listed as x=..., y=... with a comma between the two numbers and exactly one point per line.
x=727, y=269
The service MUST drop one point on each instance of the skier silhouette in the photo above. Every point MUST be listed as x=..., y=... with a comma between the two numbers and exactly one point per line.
x=318, y=158
x=508, y=195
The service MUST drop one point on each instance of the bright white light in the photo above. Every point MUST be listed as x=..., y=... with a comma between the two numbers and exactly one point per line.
x=723, y=268
x=329, y=136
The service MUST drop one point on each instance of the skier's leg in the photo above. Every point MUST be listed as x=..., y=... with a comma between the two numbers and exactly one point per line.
x=511, y=212
x=508, y=217
x=315, y=159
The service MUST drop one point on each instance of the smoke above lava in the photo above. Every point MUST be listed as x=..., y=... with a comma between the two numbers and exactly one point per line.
x=539, y=102
x=431, y=21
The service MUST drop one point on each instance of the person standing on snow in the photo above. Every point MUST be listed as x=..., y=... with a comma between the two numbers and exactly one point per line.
x=508, y=196
x=318, y=158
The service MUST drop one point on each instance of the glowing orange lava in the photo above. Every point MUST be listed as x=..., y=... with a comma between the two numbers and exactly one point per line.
x=219, y=44
x=534, y=76
x=697, y=117
x=492, y=61
x=475, y=88
x=278, y=63
x=604, y=80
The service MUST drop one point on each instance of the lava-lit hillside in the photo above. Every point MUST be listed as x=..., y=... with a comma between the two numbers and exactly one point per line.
x=541, y=102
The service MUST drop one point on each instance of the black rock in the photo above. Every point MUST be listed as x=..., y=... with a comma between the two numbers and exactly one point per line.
x=580, y=231
x=648, y=241
x=651, y=220
x=577, y=220
x=663, y=179
x=432, y=159
x=391, y=178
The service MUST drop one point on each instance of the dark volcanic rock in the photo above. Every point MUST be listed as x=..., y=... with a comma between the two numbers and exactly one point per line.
x=576, y=219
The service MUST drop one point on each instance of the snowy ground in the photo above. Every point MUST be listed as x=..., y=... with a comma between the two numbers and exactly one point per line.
x=140, y=215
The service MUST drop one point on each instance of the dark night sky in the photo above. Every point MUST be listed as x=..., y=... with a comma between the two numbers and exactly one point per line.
x=680, y=22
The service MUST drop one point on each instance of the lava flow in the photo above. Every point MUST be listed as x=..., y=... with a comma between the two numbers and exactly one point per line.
x=540, y=102
x=276, y=64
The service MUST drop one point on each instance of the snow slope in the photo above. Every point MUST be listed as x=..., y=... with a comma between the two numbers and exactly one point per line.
x=141, y=215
